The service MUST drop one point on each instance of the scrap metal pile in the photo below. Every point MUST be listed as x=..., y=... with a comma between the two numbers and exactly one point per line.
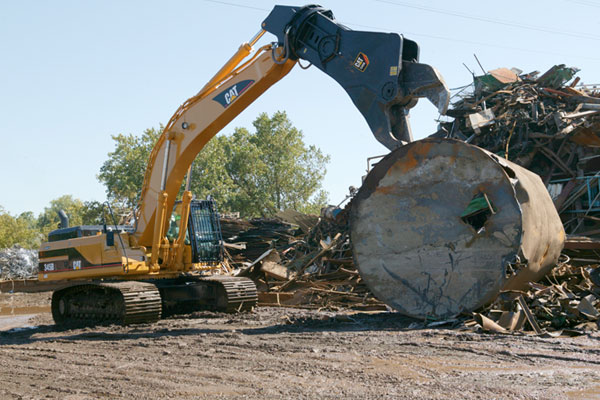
x=565, y=302
x=539, y=122
x=18, y=263
x=543, y=124
x=551, y=127
x=316, y=270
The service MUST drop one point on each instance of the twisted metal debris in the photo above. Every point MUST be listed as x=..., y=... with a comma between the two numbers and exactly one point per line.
x=541, y=123
x=18, y=263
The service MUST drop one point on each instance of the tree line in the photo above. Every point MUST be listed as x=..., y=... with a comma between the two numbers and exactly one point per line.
x=255, y=173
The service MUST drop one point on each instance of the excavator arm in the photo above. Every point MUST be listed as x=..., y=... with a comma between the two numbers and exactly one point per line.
x=379, y=71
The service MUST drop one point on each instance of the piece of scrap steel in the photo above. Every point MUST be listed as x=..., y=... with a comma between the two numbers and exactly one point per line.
x=439, y=227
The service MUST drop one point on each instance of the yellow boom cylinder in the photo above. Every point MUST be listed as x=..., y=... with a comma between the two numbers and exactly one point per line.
x=159, y=225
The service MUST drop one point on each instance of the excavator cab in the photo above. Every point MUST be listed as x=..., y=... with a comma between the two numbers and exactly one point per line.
x=203, y=231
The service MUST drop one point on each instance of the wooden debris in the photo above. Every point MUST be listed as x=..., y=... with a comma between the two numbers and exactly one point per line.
x=252, y=238
x=301, y=267
x=275, y=270
x=326, y=248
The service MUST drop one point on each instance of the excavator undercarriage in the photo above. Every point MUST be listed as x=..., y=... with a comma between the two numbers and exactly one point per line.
x=145, y=302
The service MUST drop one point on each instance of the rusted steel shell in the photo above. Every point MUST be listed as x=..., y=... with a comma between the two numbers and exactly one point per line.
x=417, y=250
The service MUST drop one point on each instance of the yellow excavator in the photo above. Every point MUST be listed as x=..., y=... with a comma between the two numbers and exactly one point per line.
x=137, y=272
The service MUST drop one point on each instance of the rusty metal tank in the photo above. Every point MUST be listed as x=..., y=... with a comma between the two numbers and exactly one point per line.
x=440, y=227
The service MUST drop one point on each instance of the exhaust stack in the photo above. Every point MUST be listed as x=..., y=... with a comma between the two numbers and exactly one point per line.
x=64, y=219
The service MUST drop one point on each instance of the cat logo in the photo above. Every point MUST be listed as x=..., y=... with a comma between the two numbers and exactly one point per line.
x=361, y=62
x=229, y=95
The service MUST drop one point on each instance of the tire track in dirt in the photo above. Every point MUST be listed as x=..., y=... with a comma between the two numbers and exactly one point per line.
x=282, y=353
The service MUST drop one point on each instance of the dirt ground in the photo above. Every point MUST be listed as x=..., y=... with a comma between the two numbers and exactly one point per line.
x=284, y=353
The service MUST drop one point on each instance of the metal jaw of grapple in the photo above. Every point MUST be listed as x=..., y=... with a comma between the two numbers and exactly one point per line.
x=380, y=71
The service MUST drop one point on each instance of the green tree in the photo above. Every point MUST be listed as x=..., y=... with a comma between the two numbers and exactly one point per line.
x=244, y=166
x=98, y=213
x=293, y=171
x=48, y=220
x=79, y=213
x=18, y=230
x=123, y=173
x=256, y=173
x=28, y=231
x=273, y=169
x=208, y=177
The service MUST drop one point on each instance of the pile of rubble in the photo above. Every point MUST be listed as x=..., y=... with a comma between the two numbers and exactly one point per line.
x=565, y=302
x=537, y=121
x=309, y=265
x=315, y=269
x=18, y=263
x=543, y=124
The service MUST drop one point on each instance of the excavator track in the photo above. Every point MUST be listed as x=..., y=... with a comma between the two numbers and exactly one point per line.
x=237, y=294
x=215, y=293
x=145, y=302
x=107, y=303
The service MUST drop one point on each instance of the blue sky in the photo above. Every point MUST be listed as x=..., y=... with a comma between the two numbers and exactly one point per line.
x=73, y=73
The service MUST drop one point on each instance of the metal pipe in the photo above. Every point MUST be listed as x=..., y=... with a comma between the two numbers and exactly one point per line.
x=183, y=225
x=440, y=227
x=243, y=52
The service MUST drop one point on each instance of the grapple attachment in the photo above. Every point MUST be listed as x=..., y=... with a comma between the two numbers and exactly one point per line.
x=380, y=71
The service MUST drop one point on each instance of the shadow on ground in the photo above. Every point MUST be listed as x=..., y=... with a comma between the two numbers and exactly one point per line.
x=284, y=323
